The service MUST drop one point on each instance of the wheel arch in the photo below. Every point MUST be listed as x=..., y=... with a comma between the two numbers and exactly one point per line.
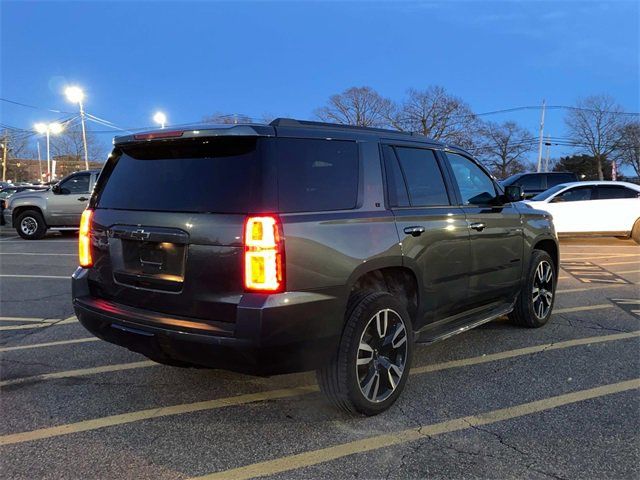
x=549, y=245
x=17, y=211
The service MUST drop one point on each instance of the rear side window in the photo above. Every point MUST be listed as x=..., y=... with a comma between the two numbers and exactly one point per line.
x=76, y=184
x=220, y=175
x=558, y=178
x=610, y=192
x=530, y=182
x=422, y=176
x=316, y=175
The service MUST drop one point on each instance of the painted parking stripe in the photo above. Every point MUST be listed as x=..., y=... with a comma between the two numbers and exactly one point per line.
x=629, y=305
x=49, y=277
x=634, y=262
x=323, y=455
x=628, y=271
x=44, y=324
x=49, y=344
x=81, y=372
x=582, y=309
x=24, y=319
x=125, y=418
x=586, y=289
x=589, y=272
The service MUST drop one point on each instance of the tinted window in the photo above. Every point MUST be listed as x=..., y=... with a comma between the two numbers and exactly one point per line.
x=423, y=177
x=397, y=190
x=215, y=175
x=476, y=187
x=530, y=182
x=576, y=194
x=558, y=178
x=76, y=184
x=609, y=192
x=316, y=175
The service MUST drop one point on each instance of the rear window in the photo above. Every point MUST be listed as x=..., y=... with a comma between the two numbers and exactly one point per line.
x=558, y=178
x=221, y=175
x=232, y=175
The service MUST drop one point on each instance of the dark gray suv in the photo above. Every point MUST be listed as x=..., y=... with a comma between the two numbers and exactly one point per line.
x=299, y=246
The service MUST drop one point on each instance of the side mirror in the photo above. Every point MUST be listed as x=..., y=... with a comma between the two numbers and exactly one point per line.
x=56, y=189
x=513, y=193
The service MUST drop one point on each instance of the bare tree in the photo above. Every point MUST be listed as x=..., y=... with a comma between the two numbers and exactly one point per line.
x=437, y=114
x=68, y=146
x=595, y=125
x=17, y=143
x=361, y=106
x=629, y=153
x=227, y=118
x=503, y=147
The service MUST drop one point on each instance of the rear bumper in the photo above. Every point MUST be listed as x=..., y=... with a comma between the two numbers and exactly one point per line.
x=271, y=334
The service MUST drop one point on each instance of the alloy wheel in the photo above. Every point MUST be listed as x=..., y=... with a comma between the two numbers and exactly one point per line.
x=382, y=355
x=542, y=293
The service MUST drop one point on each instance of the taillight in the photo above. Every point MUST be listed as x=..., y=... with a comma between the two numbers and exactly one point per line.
x=84, y=239
x=155, y=135
x=263, y=254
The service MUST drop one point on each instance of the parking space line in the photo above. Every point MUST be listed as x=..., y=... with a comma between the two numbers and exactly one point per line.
x=125, y=418
x=53, y=277
x=637, y=262
x=629, y=271
x=583, y=309
x=24, y=319
x=599, y=287
x=323, y=455
x=49, y=344
x=3, y=240
x=571, y=256
x=44, y=324
x=81, y=372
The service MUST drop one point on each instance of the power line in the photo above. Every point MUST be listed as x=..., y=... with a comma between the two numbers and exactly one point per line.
x=33, y=106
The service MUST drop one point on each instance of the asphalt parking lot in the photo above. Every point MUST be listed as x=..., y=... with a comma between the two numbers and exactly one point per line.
x=495, y=402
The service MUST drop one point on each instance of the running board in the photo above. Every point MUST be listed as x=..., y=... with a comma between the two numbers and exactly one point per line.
x=453, y=326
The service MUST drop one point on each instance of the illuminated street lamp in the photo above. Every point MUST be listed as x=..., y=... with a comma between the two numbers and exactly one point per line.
x=47, y=129
x=160, y=118
x=76, y=95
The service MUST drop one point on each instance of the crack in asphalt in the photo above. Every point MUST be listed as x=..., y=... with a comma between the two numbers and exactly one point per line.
x=34, y=331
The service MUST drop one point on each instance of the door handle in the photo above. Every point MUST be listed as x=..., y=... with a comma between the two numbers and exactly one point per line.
x=414, y=231
x=477, y=226
x=83, y=199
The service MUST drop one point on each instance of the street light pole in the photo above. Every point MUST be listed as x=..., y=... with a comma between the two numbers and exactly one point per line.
x=48, y=129
x=84, y=137
x=5, y=147
x=539, y=169
x=76, y=95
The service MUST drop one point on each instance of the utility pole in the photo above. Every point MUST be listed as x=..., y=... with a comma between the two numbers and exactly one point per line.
x=5, y=147
x=84, y=137
x=541, y=138
x=548, y=144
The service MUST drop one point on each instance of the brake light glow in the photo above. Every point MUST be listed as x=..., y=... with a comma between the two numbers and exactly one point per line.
x=84, y=239
x=154, y=135
x=263, y=254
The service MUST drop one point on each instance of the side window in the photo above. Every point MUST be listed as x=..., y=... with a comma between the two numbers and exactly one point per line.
x=316, y=175
x=396, y=188
x=531, y=182
x=423, y=177
x=610, y=192
x=476, y=187
x=76, y=184
x=557, y=179
x=576, y=194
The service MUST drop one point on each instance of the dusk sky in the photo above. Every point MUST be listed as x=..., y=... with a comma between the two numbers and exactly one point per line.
x=191, y=59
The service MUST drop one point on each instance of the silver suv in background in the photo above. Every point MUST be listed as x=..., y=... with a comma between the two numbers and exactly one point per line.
x=57, y=208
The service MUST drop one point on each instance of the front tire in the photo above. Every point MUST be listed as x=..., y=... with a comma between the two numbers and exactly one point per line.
x=535, y=302
x=370, y=369
x=30, y=225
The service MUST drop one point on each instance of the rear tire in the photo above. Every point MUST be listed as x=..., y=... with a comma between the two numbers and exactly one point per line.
x=635, y=231
x=369, y=371
x=535, y=302
x=30, y=225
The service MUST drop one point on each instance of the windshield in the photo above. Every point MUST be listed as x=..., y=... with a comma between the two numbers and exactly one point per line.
x=547, y=193
x=511, y=179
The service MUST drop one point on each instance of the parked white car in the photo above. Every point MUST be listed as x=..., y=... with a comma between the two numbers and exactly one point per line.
x=600, y=208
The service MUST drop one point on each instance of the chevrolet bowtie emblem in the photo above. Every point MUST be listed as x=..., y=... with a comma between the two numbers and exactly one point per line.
x=140, y=234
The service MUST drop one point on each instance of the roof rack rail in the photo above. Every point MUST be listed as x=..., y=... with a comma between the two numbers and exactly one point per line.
x=291, y=122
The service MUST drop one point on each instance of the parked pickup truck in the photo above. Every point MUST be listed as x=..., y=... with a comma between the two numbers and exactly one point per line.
x=57, y=208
